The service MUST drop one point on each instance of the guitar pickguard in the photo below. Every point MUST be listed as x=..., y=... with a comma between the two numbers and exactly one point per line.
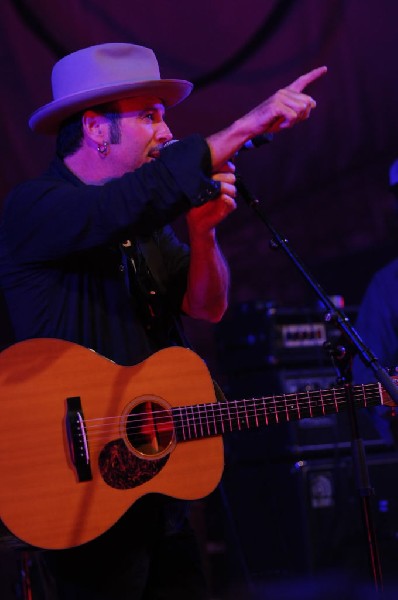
x=121, y=469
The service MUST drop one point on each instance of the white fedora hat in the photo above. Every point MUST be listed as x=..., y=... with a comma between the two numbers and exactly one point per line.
x=103, y=73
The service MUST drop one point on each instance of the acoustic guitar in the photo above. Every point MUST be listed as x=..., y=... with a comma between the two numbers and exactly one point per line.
x=82, y=438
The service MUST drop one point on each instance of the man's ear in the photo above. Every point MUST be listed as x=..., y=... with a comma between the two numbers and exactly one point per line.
x=95, y=126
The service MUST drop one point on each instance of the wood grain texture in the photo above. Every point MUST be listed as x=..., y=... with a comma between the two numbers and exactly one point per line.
x=41, y=500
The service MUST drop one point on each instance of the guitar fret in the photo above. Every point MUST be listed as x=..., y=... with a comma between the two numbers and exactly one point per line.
x=211, y=407
x=187, y=424
x=178, y=422
x=245, y=415
x=215, y=418
x=237, y=415
x=322, y=402
x=364, y=392
x=245, y=418
x=291, y=407
x=220, y=417
x=275, y=410
x=194, y=421
x=364, y=395
x=368, y=388
x=298, y=407
x=217, y=421
x=309, y=403
x=229, y=416
x=255, y=421
x=335, y=401
x=265, y=411
x=199, y=426
x=190, y=420
x=255, y=413
x=286, y=409
x=207, y=424
x=200, y=423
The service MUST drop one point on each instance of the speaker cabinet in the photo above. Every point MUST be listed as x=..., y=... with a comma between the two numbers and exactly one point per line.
x=290, y=489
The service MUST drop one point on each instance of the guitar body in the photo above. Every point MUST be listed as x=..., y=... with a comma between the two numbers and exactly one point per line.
x=44, y=500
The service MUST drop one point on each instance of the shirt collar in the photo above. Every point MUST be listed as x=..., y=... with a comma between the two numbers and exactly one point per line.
x=58, y=167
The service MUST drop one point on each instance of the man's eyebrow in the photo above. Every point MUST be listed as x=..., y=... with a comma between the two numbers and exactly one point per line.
x=156, y=107
x=157, y=110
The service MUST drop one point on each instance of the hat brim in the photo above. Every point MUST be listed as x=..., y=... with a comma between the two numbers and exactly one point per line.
x=48, y=118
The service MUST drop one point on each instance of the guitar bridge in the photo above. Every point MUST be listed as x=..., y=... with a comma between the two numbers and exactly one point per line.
x=77, y=439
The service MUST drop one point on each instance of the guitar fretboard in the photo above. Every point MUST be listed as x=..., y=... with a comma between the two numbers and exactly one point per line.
x=205, y=420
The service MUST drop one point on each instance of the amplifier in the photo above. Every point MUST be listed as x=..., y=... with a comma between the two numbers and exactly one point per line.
x=305, y=518
x=258, y=335
x=266, y=350
x=292, y=484
x=331, y=513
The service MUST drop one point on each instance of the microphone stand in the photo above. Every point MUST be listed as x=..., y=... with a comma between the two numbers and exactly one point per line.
x=358, y=452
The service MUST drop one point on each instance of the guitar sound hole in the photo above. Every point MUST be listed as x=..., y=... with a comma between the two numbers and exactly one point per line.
x=149, y=427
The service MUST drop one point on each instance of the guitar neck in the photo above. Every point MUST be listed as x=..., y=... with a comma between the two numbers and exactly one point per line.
x=206, y=420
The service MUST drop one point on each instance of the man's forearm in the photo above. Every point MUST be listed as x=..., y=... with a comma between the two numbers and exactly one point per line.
x=208, y=281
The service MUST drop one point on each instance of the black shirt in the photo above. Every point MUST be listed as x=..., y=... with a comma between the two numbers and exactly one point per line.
x=63, y=271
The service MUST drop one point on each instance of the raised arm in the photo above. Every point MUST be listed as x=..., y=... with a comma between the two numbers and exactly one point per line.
x=282, y=110
x=207, y=293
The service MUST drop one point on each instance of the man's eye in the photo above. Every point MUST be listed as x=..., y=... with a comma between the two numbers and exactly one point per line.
x=150, y=116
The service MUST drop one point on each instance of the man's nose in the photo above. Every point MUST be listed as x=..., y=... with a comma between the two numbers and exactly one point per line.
x=163, y=133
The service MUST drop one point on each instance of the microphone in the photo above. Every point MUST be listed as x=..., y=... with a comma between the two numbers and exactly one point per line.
x=256, y=142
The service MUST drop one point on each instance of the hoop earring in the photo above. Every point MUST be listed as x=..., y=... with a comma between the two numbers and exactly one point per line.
x=103, y=149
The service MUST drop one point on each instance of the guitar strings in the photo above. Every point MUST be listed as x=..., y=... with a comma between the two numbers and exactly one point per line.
x=276, y=404
x=234, y=414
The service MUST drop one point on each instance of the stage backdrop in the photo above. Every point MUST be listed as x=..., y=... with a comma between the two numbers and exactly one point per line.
x=324, y=184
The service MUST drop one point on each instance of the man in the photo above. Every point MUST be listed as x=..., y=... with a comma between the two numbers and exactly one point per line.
x=87, y=255
x=377, y=323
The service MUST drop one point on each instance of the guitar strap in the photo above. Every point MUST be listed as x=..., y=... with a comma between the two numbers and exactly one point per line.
x=149, y=268
x=147, y=277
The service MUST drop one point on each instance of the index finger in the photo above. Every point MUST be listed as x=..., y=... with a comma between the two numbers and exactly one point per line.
x=299, y=84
